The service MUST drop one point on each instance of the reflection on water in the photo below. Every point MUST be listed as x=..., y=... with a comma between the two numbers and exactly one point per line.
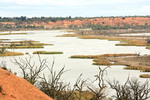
x=74, y=46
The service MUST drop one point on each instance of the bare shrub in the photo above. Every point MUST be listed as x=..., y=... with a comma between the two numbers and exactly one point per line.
x=30, y=71
x=79, y=85
x=99, y=92
x=132, y=89
x=54, y=86
x=1, y=88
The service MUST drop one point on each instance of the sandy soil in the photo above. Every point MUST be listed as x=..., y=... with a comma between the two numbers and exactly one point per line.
x=16, y=88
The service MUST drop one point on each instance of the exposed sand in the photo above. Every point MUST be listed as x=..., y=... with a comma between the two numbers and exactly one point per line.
x=16, y=88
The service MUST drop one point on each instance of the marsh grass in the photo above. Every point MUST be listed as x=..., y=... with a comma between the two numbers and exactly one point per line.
x=99, y=56
x=133, y=67
x=141, y=68
x=85, y=56
x=123, y=41
x=23, y=47
x=67, y=35
x=23, y=44
x=47, y=52
x=145, y=76
x=8, y=53
x=13, y=33
x=101, y=59
x=148, y=47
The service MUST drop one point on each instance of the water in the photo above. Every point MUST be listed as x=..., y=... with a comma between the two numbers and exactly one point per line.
x=75, y=46
x=136, y=34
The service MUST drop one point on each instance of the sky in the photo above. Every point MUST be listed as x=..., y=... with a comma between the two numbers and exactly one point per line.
x=74, y=8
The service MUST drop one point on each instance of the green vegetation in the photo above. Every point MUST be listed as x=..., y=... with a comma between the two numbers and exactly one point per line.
x=47, y=52
x=108, y=27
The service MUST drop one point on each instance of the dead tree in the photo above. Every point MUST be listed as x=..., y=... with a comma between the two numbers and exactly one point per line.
x=131, y=90
x=99, y=92
x=79, y=85
x=30, y=71
x=54, y=86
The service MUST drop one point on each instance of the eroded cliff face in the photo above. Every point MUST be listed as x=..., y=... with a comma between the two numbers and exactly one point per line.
x=112, y=21
x=16, y=88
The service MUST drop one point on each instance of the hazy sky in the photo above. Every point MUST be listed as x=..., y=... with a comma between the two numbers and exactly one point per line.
x=85, y=8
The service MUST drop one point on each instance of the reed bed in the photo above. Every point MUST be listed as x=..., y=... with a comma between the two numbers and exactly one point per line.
x=8, y=53
x=141, y=68
x=67, y=35
x=148, y=47
x=47, y=52
x=124, y=41
x=23, y=44
x=13, y=33
x=23, y=47
x=104, y=55
x=145, y=76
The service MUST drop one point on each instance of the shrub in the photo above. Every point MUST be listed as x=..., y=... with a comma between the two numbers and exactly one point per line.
x=3, y=50
x=1, y=88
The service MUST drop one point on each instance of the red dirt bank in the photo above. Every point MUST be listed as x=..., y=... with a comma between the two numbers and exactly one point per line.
x=112, y=21
x=16, y=88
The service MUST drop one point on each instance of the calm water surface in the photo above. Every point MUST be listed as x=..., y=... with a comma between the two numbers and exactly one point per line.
x=74, y=46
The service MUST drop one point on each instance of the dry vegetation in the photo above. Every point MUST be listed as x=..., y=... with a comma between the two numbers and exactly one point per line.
x=8, y=53
x=145, y=75
x=23, y=44
x=124, y=41
x=67, y=35
x=47, y=52
x=13, y=33
x=132, y=61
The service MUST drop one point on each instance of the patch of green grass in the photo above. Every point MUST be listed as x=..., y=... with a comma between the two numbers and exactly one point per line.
x=47, y=52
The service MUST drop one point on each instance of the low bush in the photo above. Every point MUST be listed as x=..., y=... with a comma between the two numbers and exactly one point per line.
x=1, y=88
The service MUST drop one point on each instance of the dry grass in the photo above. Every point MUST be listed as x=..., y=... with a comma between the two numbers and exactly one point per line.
x=133, y=67
x=148, y=47
x=102, y=59
x=47, y=52
x=124, y=41
x=67, y=35
x=13, y=33
x=23, y=47
x=8, y=53
x=101, y=62
x=23, y=44
x=145, y=76
x=85, y=56
x=141, y=68
x=98, y=56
